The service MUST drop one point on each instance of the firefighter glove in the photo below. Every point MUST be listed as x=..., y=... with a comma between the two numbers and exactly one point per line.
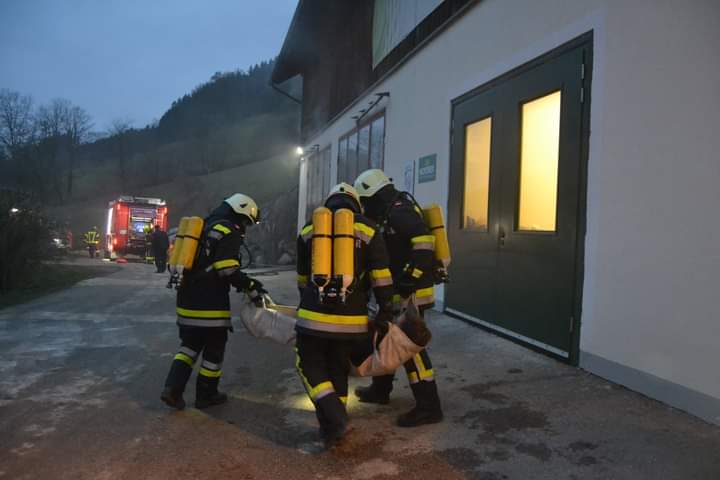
x=381, y=321
x=405, y=286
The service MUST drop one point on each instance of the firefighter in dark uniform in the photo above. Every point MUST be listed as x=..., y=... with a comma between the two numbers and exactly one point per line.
x=327, y=328
x=410, y=245
x=203, y=302
x=160, y=243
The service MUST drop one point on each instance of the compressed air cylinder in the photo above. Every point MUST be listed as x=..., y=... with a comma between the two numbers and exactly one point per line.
x=434, y=220
x=177, y=246
x=344, y=247
x=191, y=241
x=321, y=247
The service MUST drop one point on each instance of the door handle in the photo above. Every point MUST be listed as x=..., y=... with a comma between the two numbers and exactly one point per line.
x=501, y=237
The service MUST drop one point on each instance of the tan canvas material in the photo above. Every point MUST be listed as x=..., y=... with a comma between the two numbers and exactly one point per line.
x=394, y=350
x=273, y=322
x=406, y=337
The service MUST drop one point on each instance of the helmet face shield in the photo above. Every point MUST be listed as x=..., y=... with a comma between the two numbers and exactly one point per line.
x=369, y=182
x=245, y=206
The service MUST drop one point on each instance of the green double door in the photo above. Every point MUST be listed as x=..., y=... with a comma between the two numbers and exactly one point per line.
x=516, y=201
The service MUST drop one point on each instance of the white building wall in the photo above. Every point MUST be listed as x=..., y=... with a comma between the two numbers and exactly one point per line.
x=653, y=228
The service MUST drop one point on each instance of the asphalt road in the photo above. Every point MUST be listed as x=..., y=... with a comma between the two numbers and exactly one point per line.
x=81, y=372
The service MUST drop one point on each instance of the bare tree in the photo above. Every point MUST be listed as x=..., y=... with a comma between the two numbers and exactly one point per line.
x=77, y=126
x=118, y=130
x=16, y=120
x=62, y=127
x=51, y=123
x=51, y=119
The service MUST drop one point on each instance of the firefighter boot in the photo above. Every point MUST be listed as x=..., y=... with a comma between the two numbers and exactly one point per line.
x=173, y=398
x=177, y=377
x=207, y=394
x=378, y=391
x=427, y=406
x=333, y=419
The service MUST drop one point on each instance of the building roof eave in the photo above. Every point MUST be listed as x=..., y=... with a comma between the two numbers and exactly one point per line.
x=295, y=50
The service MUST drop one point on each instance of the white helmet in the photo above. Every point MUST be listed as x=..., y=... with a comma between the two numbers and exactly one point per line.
x=369, y=182
x=244, y=205
x=345, y=189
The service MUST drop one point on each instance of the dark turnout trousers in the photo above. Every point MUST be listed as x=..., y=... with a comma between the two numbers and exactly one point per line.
x=323, y=365
x=208, y=341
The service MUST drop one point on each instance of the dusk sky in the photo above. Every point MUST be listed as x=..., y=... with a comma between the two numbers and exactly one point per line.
x=131, y=58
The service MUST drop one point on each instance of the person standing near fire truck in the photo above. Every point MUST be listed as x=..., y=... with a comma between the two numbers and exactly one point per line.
x=160, y=245
x=92, y=239
x=147, y=235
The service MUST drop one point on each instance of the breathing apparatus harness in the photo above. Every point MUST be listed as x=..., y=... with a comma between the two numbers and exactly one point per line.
x=439, y=272
x=333, y=254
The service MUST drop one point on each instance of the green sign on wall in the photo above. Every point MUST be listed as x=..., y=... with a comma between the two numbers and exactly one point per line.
x=427, y=168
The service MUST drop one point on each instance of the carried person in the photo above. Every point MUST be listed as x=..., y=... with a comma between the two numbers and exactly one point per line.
x=340, y=257
x=203, y=300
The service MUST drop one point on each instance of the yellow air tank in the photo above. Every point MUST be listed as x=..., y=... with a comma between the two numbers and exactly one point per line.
x=343, y=249
x=178, y=245
x=190, y=241
x=434, y=220
x=321, y=247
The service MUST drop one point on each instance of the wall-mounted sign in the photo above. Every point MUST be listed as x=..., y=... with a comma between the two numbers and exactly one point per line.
x=427, y=168
x=409, y=177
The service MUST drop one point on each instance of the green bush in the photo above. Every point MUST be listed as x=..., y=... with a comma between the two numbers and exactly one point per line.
x=25, y=238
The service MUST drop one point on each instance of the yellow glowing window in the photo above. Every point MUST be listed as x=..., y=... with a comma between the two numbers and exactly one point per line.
x=539, y=163
x=477, y=174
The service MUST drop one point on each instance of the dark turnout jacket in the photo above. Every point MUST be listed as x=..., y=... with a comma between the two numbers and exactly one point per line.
x=160, y=243
x=203, y=298
x=411, y=247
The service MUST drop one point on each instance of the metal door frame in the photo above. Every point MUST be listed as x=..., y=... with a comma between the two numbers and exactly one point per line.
x=584, y=41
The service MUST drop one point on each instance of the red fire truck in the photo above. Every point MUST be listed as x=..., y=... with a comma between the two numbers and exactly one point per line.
x=129, y=220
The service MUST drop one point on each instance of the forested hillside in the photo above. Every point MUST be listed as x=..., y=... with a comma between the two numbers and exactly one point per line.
x=233, y=119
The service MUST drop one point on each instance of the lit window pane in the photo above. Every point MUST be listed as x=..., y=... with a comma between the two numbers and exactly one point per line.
x=539, y=163
x=342, y=159
x=377, y=143
x=363, y=149
x=326, y=171
x=317, y=186
x=477, y=174
x=351, y=171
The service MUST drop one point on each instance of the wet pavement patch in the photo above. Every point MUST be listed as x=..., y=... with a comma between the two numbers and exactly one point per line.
x=537, y=450
x=586, y=461
x=482, y=391
x=463, y=458
x=488, y=476
x=582, y=446
x=499, y=455
x=497, y=421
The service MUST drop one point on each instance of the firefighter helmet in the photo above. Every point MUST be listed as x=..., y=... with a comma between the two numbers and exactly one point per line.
x=345, y=189
x=371, y=181
x=244, y=205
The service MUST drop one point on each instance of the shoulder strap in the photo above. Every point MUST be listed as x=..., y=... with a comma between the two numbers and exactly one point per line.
x=408, y=196
x=382, y=221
